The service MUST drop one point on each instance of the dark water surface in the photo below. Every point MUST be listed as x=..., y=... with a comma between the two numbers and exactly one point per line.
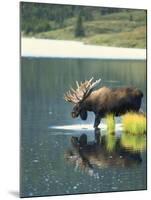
x=51, y=163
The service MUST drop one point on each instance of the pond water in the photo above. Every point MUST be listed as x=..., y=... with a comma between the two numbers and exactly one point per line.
x=51, y=161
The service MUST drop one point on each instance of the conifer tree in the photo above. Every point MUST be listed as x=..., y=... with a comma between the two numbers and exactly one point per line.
x=79, y=29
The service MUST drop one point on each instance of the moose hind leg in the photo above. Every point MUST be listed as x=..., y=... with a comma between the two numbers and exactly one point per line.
x=97, y=121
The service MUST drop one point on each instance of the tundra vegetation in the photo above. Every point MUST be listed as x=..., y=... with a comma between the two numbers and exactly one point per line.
x=134, y=123
x=91, y=25
x=110, y=121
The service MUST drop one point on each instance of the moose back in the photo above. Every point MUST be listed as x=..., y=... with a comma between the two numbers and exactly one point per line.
x=103, y=100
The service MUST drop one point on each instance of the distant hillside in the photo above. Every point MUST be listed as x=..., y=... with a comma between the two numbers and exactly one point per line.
x=93, y=25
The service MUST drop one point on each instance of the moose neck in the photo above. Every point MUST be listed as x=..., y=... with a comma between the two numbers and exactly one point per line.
x=86, y=103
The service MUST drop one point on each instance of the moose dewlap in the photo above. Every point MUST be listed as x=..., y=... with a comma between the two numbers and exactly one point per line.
x=134, y=123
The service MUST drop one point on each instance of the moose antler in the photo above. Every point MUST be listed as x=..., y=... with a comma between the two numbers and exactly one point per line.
x=82, y=91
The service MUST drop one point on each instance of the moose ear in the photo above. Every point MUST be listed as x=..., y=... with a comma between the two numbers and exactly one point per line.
x=83, y=114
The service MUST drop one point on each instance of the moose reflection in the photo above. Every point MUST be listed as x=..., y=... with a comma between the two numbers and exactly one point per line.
x=102, y=101
x=104, y=151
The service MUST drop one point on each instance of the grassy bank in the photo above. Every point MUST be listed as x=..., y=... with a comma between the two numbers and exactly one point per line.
x=134, y=38
x=123, y=28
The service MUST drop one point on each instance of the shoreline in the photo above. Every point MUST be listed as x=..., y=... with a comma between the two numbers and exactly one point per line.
x=46, y=48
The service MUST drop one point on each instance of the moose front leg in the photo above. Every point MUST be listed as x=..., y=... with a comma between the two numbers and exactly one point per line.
x=97, y=120
x=97, y=133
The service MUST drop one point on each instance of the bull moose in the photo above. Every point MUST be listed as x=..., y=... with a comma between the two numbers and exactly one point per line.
x=103, y=100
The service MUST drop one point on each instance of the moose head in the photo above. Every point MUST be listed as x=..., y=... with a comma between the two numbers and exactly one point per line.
x=78, y=96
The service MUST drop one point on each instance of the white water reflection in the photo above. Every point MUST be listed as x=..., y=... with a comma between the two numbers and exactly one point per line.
x=89, y=127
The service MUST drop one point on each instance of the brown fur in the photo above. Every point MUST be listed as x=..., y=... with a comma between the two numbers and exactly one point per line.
x=105, y=100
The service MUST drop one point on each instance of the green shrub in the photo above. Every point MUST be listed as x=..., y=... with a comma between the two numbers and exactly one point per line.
x=134, y=123
x=110, y=121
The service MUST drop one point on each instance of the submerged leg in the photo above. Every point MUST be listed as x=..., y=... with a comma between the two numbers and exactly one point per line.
x=97, y=121
x=97, y=135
